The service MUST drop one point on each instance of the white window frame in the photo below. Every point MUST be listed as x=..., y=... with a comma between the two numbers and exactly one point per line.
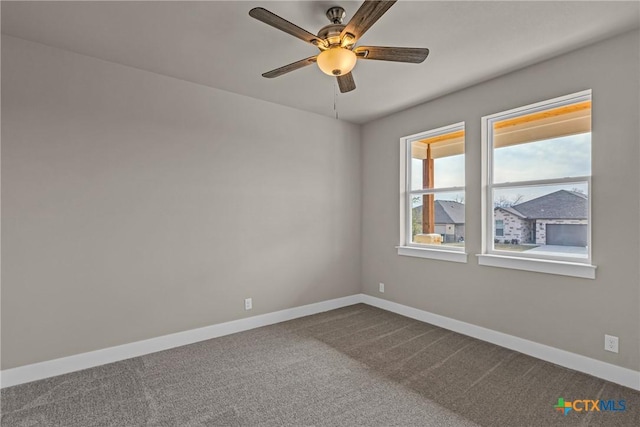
x=406, y=247
x=569, y=266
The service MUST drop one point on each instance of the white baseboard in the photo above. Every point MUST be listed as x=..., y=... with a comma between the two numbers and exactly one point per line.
x=597, y=368
x=64, y=365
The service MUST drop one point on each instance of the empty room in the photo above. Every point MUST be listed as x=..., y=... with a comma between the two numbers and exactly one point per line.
x=302, y=213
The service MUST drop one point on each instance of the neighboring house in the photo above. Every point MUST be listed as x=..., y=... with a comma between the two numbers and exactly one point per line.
x=449, y=218
x=559, y=218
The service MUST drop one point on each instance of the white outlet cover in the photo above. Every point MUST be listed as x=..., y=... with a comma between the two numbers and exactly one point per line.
x=381, y=287
x=248, y=304
x=611, y=343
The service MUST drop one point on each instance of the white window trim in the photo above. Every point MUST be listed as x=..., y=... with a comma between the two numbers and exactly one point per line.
x=538, y=263
x=406, y=248
x=432, y=253
x=563, y=268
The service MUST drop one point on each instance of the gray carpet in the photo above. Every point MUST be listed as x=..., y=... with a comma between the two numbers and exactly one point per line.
x=353, y=366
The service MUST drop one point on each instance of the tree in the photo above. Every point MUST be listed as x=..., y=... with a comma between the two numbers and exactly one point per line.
x=416, y=223
x=577, y=190
x=505, y=202
x=416, y=216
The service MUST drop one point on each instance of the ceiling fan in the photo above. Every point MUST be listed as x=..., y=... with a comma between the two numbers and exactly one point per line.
x=336, y=41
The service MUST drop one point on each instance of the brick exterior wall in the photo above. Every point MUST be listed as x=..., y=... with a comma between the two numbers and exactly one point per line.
x=515, y=228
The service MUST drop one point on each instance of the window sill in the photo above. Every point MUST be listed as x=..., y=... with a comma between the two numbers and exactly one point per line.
x=439, y=254
x=563, y=268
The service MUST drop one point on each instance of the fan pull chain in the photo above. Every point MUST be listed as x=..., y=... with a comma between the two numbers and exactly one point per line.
x=335, y=99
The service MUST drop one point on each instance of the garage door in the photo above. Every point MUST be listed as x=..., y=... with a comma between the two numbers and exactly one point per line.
x=567, y=234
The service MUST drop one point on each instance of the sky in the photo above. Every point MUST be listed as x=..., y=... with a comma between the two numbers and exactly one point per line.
x=552, y=158
x=568, y=156
x=449, y=172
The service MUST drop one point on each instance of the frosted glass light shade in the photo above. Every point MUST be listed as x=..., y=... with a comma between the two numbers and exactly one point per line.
x=336, y=61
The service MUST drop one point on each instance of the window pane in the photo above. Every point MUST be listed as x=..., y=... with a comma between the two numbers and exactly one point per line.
x=546, y=220
x=438, y=219
x=438, y=161
x=449, y=171
x=562, y=157
x=416, y=173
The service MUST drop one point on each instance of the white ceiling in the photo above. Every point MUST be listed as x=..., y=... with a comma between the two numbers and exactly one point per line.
x=217, y=44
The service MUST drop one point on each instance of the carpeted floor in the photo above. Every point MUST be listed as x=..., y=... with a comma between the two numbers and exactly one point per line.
x=357, y=365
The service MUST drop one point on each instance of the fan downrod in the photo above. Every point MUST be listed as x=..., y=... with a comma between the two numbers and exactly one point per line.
x=336, y=14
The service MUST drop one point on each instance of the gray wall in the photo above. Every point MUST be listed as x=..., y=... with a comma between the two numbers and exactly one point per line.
x=137, y=205
x=567, y=313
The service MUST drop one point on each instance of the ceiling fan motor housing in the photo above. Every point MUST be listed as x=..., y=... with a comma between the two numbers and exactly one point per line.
x=331, y=33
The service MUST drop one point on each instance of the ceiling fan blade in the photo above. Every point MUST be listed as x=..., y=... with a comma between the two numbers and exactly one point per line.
x=414, y=55
x=288, y=68
x=282, y=24
x=346, y=83
x=365, y=17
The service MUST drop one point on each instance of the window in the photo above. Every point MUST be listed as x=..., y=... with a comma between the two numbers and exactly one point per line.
x=432, y=205
x=537, y=176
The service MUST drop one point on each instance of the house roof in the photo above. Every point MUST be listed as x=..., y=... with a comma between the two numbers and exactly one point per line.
x=561, y=204
x=513, y=211
x=449, y=212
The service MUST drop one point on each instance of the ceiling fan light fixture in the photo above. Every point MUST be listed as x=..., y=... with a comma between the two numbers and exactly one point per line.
x=336, y=61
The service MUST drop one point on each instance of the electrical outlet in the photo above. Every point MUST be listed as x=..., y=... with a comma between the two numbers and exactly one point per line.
x=611, y=343
x=248, y=304
x=382, y=287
